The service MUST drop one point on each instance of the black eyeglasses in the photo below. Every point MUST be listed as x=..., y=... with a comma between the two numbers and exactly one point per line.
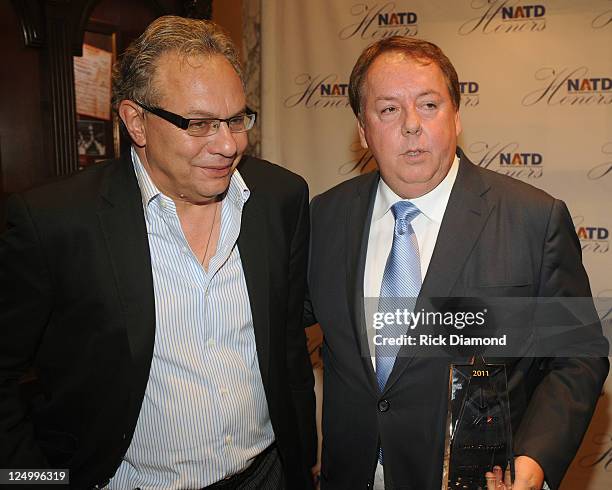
x=205, y=126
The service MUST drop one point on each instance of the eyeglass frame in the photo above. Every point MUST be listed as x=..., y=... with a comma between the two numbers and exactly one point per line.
x=183, y=122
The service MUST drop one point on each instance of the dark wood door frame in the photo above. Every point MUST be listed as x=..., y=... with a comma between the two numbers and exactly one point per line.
x=57, y=27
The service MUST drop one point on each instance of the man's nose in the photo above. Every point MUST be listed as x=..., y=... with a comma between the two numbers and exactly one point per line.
x=224, y=141
x=412, y=123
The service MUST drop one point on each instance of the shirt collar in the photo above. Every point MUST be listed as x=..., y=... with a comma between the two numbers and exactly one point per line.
x=432, y=205
x=148, y=190
x=238, y=192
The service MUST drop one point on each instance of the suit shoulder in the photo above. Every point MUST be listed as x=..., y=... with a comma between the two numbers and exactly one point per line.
x=514, y=190
x=343, y=190
x=264, y=174
x=77, y=189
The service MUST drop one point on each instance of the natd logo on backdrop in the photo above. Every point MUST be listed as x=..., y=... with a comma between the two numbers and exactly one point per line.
x=570, y=87
x=603, y=169
x=378, y=21
x=470, y=93
x=362, y=162
x=319, y=92
x=507, y=159
x=602, y=20
x=595, y=239
x=503, y=17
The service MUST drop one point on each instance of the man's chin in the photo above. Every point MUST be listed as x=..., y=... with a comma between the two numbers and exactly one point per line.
x=217, y=192
x=414, y=184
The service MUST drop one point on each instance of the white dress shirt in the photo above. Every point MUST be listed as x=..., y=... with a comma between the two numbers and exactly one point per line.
x=426, y=228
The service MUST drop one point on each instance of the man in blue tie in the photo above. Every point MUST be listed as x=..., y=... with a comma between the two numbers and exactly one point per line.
x=431, y=224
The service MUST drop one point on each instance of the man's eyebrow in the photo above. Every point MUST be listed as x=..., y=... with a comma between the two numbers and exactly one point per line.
x=198, y=113
x=428, y=92
x=396, y=97
x=387, y=97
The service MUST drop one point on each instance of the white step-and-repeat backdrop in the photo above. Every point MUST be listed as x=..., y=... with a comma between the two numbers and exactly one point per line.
x=536, y=81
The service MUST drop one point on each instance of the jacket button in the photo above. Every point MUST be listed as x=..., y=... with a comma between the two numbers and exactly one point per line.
x=383, y=405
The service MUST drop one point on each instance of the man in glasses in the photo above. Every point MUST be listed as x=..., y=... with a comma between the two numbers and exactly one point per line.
x=157, y=299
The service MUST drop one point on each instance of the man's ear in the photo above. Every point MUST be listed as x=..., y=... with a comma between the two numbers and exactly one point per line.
x=132, y=116
x=362, y=138
x=458, y=126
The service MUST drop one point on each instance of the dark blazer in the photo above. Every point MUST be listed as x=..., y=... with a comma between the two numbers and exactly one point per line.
x=499, y=238
x=77, y=312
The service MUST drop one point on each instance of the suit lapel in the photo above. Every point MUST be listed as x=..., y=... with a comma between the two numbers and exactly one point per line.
x=465, y=216
x=466, y=213
x=253, y=247
x=123, y=227
x=359, y=216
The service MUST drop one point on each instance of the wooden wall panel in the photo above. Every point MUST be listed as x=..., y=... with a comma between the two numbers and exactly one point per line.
x=21, y=108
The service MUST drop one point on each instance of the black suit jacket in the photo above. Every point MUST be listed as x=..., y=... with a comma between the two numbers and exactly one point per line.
x=499, y=238
x=77, y=311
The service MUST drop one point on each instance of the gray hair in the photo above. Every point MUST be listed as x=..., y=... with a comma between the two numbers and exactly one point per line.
x=133, y=73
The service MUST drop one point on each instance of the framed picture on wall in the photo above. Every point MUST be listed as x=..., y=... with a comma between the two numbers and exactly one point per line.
x=97, y=126
x=92, y=141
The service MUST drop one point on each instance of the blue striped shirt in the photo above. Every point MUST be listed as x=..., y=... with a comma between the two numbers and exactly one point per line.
x=204, y=415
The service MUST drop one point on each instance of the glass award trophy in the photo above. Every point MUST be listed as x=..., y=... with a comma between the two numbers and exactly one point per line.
x=478, y=431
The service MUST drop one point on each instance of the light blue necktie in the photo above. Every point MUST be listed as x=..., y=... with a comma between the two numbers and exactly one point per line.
x=400, y=285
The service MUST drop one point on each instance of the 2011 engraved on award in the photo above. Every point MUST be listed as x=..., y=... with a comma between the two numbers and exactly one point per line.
x=478, y=429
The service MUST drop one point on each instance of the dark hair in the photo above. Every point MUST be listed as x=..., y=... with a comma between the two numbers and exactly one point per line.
x=133, y=73
x=411, y=47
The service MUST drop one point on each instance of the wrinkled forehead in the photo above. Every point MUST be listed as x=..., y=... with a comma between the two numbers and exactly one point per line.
x=392, y=68
x=175, y=69
x=397, y=60
x=174, y=64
